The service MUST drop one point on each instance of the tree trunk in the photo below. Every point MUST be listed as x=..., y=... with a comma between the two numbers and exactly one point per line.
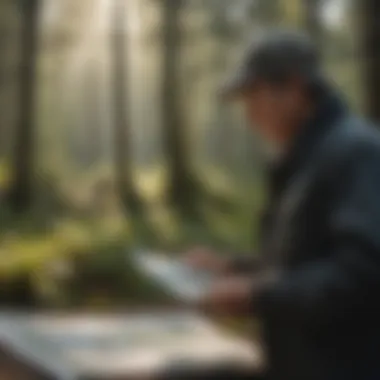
x=122, y=133
x=292, y=11
x=181, y=181
x=370, y=29
x=92, y=101
x=20, y=197
x=8, y=79
x=226, y=133
x=313, y=22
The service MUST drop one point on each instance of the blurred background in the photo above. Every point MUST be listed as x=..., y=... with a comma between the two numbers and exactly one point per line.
x=112, y=136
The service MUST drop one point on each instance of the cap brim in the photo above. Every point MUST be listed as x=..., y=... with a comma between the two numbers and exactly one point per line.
x=236, y=86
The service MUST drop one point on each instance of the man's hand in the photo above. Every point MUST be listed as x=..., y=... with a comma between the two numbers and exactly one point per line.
x=206, y=259
x=231, y=296
x=238, y=295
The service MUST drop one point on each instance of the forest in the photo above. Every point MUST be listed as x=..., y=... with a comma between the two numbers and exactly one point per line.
x=112, y=137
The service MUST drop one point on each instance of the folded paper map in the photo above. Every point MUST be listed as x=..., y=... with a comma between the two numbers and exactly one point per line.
x=178, y=279
x=114, y=347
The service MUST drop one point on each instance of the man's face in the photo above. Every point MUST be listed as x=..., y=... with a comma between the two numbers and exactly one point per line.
x=272, y=110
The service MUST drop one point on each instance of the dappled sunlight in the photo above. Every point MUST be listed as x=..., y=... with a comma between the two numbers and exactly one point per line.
x=121, y=140
x=151, y=183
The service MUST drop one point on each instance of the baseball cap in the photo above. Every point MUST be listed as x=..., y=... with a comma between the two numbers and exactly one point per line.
x=275, y=57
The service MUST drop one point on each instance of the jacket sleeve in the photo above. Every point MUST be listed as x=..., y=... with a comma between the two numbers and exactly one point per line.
x=347, y=279
x=244, y=264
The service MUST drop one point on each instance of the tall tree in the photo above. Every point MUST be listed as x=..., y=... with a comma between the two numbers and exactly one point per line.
x=122, y=131
x=305, y=15
x=92, y=110
x=20, y=196
x=313, y=19
x=292, y=12
x=223, y=36
x=181, y=181
x=8, y=80
x=369, y=15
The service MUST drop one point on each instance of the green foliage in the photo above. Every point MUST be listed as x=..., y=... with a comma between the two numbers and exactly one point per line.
x=77, y=221
x=97, y=250
x=107, y=276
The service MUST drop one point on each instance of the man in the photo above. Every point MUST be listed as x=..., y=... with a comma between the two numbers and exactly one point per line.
x=317, y=289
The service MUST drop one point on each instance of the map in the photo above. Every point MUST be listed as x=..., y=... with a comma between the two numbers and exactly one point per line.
x=76, y=347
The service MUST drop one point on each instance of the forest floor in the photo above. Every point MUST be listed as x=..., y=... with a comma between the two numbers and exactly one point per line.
x=43, y=250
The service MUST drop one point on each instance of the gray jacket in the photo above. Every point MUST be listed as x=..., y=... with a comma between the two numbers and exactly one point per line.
x=321, y=318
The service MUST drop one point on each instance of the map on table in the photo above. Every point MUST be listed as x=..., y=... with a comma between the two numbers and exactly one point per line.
x=178, y=279
x=105, y=347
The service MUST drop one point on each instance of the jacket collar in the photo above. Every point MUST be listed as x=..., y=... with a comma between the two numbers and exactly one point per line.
x=329, y=108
